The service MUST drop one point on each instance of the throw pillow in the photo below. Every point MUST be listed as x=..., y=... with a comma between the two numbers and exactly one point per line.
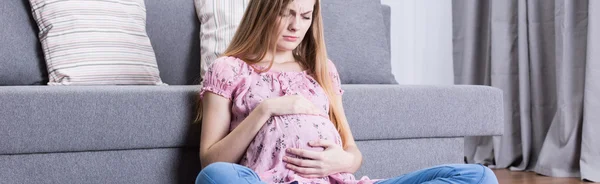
x=219, y=20
x=96, y=42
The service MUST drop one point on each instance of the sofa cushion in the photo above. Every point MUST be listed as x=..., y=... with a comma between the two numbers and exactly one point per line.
x=387, y=19
x=83, y=118
x=357, y=41
x=86, y=118
x=95, y=42
x=21, y=61
x=378, y=112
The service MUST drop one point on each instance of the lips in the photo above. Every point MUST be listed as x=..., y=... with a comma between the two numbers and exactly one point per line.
x=290, y=38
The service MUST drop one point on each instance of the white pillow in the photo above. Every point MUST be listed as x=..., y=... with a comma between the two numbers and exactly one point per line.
x=96, y=42
x=219, y=20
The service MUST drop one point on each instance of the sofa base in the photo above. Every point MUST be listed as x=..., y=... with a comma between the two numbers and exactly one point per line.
x=392, y=158
x=382, y=159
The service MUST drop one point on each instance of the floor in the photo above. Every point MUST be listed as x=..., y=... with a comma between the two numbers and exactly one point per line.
x=506, y=176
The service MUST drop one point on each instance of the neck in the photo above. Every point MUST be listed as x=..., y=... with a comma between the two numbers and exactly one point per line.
x=279, y=56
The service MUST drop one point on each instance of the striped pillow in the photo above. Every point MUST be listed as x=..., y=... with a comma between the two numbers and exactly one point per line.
x=96, y=42
x=219, y=20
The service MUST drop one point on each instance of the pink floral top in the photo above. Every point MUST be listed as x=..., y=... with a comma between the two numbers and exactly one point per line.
x=233, y=79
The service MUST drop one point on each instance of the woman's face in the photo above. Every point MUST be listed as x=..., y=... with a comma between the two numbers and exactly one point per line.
x=296, y=19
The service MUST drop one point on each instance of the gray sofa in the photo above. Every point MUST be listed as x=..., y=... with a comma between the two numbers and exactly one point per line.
x=144, y=134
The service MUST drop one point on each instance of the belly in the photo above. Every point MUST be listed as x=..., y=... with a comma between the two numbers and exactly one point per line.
x=267, y=149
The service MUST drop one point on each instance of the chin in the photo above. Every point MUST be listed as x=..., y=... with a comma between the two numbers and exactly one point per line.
x=287, y=47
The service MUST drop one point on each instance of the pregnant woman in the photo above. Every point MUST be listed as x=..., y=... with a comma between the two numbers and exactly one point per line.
x=272, y=108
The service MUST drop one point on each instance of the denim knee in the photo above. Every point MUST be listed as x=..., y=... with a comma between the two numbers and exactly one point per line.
x=488, y=176
x=217, y=167
x=225, y=173
x=215, y=171
x=478, y=174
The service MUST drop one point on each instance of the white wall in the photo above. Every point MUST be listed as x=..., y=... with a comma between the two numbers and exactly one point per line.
x=422, y=41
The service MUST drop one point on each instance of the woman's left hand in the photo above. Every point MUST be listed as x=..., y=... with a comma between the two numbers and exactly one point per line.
x=318, y=164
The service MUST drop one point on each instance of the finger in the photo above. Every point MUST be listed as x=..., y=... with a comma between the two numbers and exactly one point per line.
x=308, y=109
x=316, y=111
x=319, y=111
x=305, y=153
x=302, y=170
x=301, y=162
x=321, y=143
x=311, y=109
x=301, y=108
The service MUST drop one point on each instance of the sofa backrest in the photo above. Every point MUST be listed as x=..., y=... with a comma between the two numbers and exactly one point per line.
x=21, y=56
x=174, y=30
x=172, y=26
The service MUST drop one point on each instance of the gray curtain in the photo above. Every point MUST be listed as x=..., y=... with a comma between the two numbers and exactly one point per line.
x=545, y=56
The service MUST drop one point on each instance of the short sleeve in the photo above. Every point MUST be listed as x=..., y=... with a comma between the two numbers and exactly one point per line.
x=222, y=77
x=335, y=77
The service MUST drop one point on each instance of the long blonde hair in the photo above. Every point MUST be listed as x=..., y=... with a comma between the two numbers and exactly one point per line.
x=258, y=32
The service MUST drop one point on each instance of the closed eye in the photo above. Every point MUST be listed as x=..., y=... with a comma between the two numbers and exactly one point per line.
x=306, y=15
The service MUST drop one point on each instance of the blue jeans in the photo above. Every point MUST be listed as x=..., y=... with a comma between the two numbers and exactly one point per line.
x=225, y=173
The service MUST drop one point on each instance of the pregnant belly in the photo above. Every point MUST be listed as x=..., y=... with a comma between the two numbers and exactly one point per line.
x=266, y=151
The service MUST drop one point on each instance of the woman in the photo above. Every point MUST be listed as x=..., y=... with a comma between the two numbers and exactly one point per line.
x=273, y=105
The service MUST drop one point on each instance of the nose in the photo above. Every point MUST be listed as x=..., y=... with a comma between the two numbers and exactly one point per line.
x=293, y=24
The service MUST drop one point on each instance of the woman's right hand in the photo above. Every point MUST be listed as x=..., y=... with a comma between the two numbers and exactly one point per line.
x=292, y=104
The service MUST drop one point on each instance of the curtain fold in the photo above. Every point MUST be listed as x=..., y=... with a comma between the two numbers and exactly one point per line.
x=544, y=55
x=589, y=162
